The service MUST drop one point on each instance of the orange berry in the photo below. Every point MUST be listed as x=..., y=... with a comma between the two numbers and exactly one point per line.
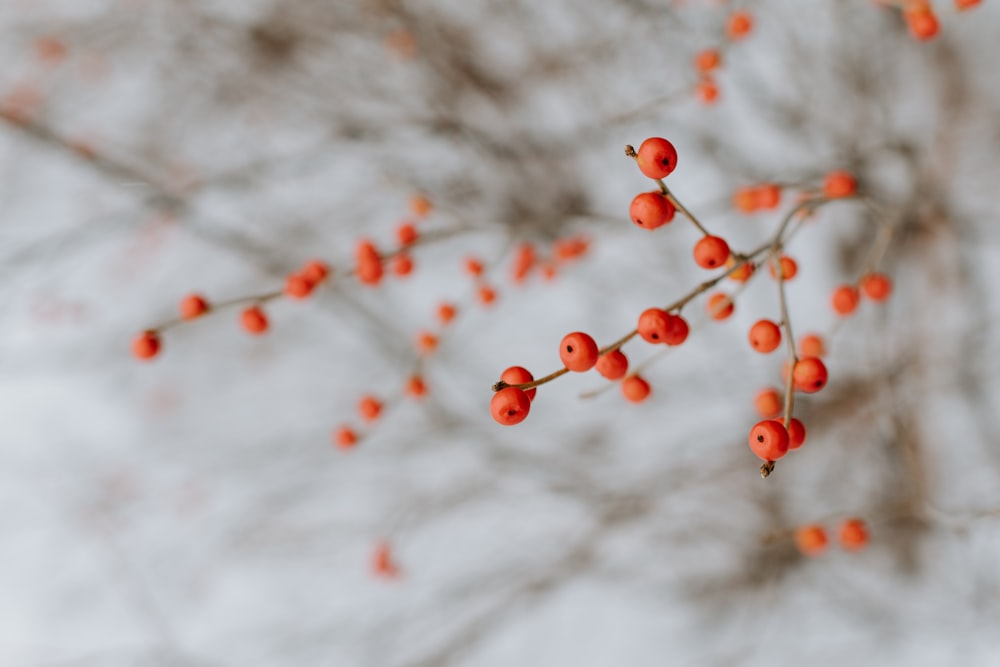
x=845, y=299
x=420, y=206
x=767, y=195
x=446, y=313
x=613, y=364
x=742, y=274
x=415, y=387
x=708, y=91
x=345, y=438
x=254, y=320
x=193, y=306
x=788, y=266
x=811, y=345
x=765, y=336
x=369, y=408
x=524, y=261
x=426, y=342
x=146, y=345
x=876, y=286
x=473, y=267
x=520, y=375
x=402, y=264
x=382, y=562
x=962, y=5
x=578, y=352
x=315, y=271
x=407, y=234
x=720, y=306
x=768, y=402
x=745, y=200
x=650, y=210
x=50, y=49
x=486, y=294
x=369, y=270
x=510, y=406
x=656, y=157
x=809, y=375
x=298, y=286
x=711, y=252
x=571, y=248
x=652, y=325
x=677, y=330
x=922, y=22
x=739, y=26
x=839, y=183
x=811, y=540
x=635, y=389
x=707, y=60
x=853, y=534
x=768, y=439
x=796, y=432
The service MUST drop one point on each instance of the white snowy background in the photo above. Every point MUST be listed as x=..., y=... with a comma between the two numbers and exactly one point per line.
x=192, y=511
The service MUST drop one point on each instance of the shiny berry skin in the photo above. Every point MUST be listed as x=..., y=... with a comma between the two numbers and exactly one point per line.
x=810, y=375
x=254, y=321
x=796, y=432
x=193, y=306
x=811, y=345
x=656, y=157
x=578, y=352
x=520, y=375
x=510, y=406
x=768, y=439
x=845, y=299
x=811, y=540
x=613, y=364
x=719, y=306
x=788, y=267
x=838, y=184
x=677, y=330
x=853, y=534
x=146, y=345
x=298, y=286
x=765, y=336
x=345, y=438
x=652, y=325
x=635, y=389
x=739, y=25
x=369, y=408
x=650, y=210
x=711, y=252
x=876, y=286
x=768, y=402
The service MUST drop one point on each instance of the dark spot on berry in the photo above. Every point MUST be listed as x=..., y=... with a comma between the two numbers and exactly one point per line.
x=760, y=438
x=569, y=348
x=511, y=412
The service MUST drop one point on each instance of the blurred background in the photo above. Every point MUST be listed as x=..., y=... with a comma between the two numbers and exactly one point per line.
x=194, y=510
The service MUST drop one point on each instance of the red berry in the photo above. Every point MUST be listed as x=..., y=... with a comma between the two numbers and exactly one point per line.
x=810, y=375
x=420, y=206
x=853, y=534
x=650, y=210
x=677, y=330
x=711, y=252
x=315, y=271
x=708, y=91
x=811, y=345
x=768, y=440
x=473, y=267
x=845, y=299
x=370, y=408
x=578, y=352
x=767, y=195
x=811, y=540
x=254, y=320
x=922, y=22
x=962, y=5
x=745, y=200
x=768, y=402
x=719, y=306
x=382, y=562
x=146, y=345
x=786, y=264
x=426, y=343
x=707, y=60
x=613, y=364
x=486, y=295
x=635, y=389
x=742, y=274
x=652, y=325
x=345, y=437
x=298, y=286
x=796, y=432
x=407, y=234
x=656, y=157
x=765, y=336
x=446, y=313
x=369, y=263
x=193, y=306
x=739, y=26
x=839, y=183
x=415, y=387
x=510, y=406
x=519, y=375
x=402, y=264
x=876, y=286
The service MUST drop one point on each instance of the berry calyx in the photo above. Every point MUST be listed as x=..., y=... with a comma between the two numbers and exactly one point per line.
x=510, y=406
x=520, y=375
x=146, y=345
x=578, y=352
x=853, y=534
x=796, y=432
x=613, y=364
x=876, y=286
x=650, y=210
x=765, y=336
x=254, y=321
x=711, y=252
x=845, y=299
x=768, y=439
x=635, y=389
x=193, y=306
x=656, y=157
x=809, y=375
x=811, y=540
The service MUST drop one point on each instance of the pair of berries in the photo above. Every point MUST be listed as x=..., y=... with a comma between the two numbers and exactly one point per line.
x=875, y=286
x=770, y=440
x=812, y=540
x=656, y=159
